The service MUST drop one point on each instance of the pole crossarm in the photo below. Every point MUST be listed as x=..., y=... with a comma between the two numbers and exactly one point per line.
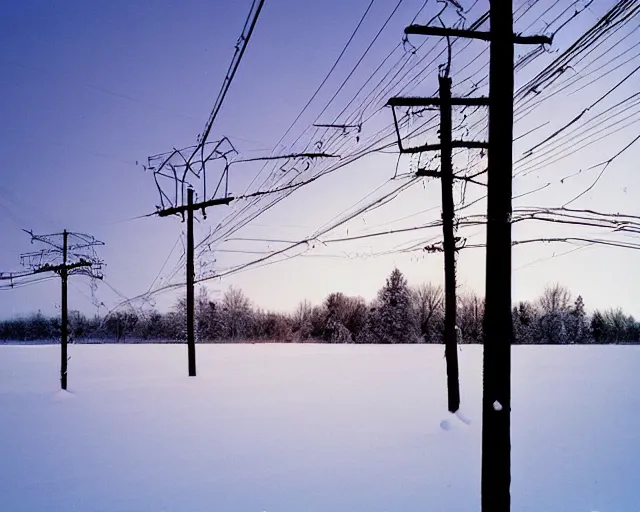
x=78, y=253
x=338, y=126
x=471, y=144
x=10, y=276
x=413, y=101
x=424, y=30
x=400, y=101
x=196, y=206
x=59, y=268
x=430, y=173
x=290, y=156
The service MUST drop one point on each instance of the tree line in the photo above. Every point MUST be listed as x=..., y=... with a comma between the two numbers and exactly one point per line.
x=399, y=314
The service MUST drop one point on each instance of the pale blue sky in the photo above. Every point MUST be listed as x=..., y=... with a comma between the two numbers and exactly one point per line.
x=89, y=88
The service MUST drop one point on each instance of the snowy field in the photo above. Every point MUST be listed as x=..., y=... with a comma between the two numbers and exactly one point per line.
x=305, y=428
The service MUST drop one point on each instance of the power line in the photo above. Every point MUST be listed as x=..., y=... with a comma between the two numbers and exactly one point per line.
x=240, y=48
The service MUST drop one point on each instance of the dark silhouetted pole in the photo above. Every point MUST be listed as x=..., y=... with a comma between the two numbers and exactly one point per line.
x=446, y=145
x=86, y=263
x=189, y=209
x=191, y=339
x=64, y=313
x=496, y=399
x=449, y=246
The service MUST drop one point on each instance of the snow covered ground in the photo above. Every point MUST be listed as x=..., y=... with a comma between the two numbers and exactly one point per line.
x=305, y=428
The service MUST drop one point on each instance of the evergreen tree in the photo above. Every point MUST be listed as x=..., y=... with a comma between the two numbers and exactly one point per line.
x=177, y=319
x=598, y=327
x=335, y=315
x=77, y=325
x=633, y=331
x=578, y=330
x=367, y=334
x=393, y=320
x=336, y=332
x=344, y=318
x=525, y=324
x=154, y=327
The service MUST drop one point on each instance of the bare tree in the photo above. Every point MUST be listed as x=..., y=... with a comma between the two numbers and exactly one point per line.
x=357, y=316
x=302, y=320
x=237, y=307
x=210, y=320
x=273, y=326
x=618, y=325
x=428, y=306
x=303, y=312
x=555, y=299
x=555, y=306
x=470, y=316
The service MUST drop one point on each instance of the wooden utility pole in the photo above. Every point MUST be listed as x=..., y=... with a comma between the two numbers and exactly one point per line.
x=498, y=328
x=64, y=312
x=445, y=102
x=86, y=262
x=193, y=164
x=63, y=271
x=496, y=397
x=189, y=209
x=191, y=337
x=449, y=246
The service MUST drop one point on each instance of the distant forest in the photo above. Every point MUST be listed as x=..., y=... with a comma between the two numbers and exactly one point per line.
x=399, y=314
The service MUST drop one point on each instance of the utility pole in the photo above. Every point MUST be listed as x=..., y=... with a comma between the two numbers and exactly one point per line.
x=85, y=262
x=498, y=327
x=449, y=246
x=445, y=102
x=496, y=407
x=189, y=209
x=191, y=338
x=175, y=168
x=64, y=312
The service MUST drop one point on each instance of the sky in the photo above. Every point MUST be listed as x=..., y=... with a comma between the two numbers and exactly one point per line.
x=89, y=90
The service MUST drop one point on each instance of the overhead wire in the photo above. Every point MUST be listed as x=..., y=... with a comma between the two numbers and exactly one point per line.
x=374, y=144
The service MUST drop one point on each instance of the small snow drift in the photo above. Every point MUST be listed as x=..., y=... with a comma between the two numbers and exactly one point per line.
x=62, y=395
x=463, y=418
x=445, y=425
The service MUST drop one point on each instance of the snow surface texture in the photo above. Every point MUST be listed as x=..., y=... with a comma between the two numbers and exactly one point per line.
x=288, y=428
